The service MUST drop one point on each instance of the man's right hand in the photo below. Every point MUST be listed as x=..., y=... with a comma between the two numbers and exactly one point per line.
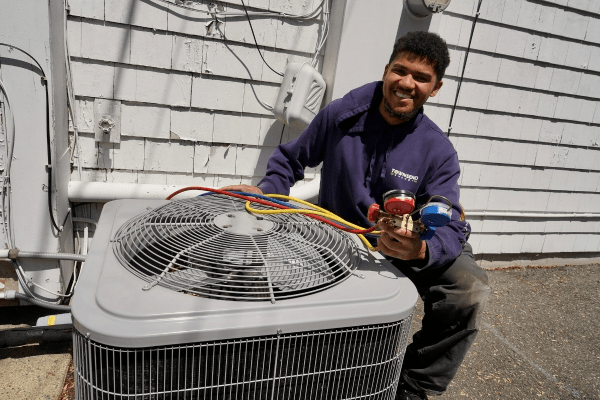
x=243, y=188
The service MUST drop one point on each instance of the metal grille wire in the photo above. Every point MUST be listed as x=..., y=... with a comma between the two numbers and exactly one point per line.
x=185, y=246
x=350, y=363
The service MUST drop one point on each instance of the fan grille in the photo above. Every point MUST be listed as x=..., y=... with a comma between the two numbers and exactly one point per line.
x=210, y=246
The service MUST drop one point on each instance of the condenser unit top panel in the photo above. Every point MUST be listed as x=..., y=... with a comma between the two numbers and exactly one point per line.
x=211, y=246
x=133, y=306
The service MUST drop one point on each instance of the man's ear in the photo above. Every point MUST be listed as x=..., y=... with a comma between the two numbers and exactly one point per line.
x=385, y=71
x=436, y=88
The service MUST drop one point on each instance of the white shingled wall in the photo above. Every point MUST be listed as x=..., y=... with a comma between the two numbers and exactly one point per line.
x=193, y=104
x=194, y=92
x=527, y=125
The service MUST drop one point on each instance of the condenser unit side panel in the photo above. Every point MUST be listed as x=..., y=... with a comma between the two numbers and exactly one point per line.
x=122, y=313
x=126, y=317
x=83, y=304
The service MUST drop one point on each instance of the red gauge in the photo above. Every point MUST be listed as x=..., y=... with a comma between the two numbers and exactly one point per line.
x=399, y=202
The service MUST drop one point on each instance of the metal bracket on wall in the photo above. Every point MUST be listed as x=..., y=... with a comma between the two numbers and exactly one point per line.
x=424, y=8
x=107, y=121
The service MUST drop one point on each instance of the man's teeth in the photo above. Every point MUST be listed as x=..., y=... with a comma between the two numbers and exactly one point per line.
x=402, y=96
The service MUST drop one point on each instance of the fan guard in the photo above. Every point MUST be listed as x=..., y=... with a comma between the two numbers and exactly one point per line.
x=211, y=246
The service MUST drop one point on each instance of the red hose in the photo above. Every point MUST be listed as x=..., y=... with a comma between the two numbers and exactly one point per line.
x=268, y=203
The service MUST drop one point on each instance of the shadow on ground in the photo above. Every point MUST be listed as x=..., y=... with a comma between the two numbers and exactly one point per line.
x=539, y=338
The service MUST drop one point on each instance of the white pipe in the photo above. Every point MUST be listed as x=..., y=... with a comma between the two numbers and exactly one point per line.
x=85, y=240
x=101, y=192
x=307, y=191
x=509, y=214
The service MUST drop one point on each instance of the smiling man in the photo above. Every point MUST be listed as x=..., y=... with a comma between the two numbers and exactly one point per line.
x=408, y=81
x=375, y=139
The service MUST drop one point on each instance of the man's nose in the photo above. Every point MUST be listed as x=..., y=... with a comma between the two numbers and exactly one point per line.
x=407, y=82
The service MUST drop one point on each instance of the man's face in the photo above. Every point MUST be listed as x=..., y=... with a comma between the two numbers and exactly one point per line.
x=408, y=82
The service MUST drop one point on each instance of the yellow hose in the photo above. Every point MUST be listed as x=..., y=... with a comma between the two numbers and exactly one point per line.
x=316, y=210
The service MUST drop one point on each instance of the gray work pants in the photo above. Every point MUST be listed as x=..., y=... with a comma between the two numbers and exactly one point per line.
x=454, y=297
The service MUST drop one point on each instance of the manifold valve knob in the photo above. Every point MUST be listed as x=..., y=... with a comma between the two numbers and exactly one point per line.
x=373, y=213
x=428, y=234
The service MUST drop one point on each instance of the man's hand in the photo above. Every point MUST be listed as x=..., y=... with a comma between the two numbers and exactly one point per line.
x=243, y=188
x=401, y=243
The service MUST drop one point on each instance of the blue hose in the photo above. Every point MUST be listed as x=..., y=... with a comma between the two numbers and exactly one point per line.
x=258, y=196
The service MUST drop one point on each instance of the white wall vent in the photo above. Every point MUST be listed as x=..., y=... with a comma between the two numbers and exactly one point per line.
x=197, y=299
x=300, y=95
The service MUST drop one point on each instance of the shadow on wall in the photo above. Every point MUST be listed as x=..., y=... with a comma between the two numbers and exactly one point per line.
x=408, y=23
x=275, y=135
x=167, y=88
x=124, y=48
x=22, y=64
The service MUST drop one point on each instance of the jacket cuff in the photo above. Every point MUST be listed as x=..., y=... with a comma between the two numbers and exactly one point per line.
x=267, y=187
x=434, y=248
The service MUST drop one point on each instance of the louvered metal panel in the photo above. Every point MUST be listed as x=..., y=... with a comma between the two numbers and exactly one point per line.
x=354, y=363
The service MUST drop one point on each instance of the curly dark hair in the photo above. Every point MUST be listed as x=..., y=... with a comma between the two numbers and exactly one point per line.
x=427, y=45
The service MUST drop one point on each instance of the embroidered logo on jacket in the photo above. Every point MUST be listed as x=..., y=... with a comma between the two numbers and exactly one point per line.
x=404, y=176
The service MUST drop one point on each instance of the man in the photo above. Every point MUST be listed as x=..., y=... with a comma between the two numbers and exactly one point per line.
x=375, y=139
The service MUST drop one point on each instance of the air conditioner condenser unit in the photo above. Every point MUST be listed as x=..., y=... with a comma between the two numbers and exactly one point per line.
x=199, y=299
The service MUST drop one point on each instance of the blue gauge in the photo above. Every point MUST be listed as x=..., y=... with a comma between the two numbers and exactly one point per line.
x=436, y=215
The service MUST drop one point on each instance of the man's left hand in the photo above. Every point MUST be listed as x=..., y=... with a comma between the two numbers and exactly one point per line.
x=401, y=243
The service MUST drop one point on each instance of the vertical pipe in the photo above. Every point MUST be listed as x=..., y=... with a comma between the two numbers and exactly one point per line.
x=61, y=166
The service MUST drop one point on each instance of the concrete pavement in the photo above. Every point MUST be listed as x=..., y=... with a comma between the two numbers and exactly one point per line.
x=540, y=340
x=35, y=371
x=540, y=337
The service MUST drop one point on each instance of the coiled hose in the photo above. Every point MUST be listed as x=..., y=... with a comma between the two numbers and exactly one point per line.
x=312, y=211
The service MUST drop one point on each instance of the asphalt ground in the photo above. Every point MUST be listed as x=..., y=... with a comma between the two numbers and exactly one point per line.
x=540, y=337
x=540, y=340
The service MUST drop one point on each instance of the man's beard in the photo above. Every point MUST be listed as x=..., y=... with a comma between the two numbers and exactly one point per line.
x=400, y=115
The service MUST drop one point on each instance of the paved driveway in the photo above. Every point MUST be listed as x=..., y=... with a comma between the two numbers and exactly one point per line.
x=540, y=340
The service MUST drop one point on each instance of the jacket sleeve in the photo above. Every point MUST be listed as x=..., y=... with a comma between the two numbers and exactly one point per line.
x=286, y=165
x=447, y=243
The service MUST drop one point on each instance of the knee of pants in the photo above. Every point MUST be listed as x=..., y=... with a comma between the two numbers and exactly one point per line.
x=460, y=294
x=473, y=299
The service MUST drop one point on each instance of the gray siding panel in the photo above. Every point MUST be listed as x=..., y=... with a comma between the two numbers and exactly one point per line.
x=195, y=95
x=527, y=125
